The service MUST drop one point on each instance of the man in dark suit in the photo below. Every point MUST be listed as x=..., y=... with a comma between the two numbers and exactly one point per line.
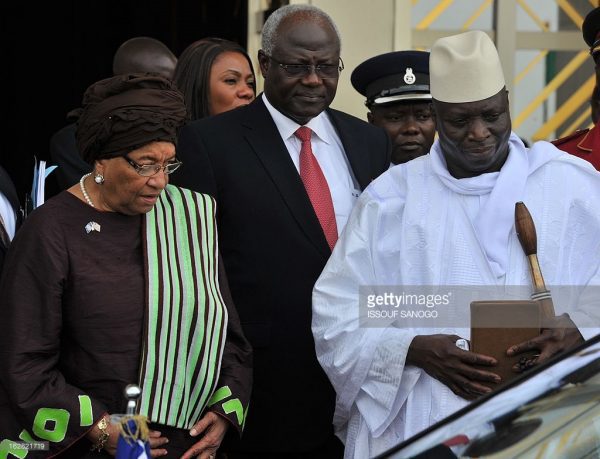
x=276, y=229
x=10, y=213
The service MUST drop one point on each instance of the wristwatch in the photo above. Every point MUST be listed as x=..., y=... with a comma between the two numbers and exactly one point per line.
x=103, y=437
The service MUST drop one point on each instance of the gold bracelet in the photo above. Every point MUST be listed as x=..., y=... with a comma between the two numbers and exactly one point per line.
x=103, y=437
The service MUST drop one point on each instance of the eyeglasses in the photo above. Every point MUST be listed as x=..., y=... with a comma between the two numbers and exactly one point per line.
x=148, y=170
x=323, y=71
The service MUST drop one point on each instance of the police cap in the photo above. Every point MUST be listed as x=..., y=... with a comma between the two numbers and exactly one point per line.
x=392, y=77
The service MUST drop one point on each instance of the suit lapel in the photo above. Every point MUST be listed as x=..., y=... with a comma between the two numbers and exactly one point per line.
x=355, y=147
x=265, y=141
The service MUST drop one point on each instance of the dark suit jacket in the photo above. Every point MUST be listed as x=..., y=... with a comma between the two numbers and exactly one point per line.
x=7, y=188
x=274, y=250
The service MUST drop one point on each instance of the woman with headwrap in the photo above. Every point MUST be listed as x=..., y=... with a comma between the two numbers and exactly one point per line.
x=117, y=280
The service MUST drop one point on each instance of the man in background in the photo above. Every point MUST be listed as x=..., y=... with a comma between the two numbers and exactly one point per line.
x=144, y=55
x=396, y=86
x=586, y=143
x=136, y=55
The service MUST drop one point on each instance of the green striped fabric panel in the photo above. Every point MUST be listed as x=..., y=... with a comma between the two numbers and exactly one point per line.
x=186, y=315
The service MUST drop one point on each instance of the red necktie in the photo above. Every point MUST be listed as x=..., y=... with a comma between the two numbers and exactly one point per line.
x=316, y=187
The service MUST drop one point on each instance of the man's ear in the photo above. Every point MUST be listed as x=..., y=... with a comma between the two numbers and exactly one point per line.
x=263, y=61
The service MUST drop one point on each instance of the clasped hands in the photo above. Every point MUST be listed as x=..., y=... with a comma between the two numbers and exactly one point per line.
x=211, y=429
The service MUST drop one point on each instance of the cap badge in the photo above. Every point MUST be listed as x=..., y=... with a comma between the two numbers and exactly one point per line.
x=409, y=76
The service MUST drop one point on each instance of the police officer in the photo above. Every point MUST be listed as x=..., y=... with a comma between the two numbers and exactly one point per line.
x=396, y=86
x=586, y=143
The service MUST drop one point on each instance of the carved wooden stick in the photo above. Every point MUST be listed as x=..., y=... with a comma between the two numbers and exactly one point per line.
x=528, y=239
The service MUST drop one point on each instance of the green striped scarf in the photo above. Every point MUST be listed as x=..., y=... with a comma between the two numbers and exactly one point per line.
x=186, y=318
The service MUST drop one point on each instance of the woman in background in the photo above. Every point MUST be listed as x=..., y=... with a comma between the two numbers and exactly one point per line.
x=215, y=75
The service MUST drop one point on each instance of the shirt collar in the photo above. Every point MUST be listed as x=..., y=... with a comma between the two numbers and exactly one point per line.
x=286, y=126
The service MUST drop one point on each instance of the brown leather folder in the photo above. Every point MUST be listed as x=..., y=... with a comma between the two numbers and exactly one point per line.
x=497, y=325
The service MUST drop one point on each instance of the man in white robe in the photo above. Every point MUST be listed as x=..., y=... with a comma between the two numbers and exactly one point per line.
x=447, y=219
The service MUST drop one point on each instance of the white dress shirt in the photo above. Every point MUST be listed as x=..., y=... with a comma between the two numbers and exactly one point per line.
x=327, y=148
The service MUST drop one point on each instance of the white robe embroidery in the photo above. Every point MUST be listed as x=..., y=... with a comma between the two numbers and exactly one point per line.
x=410, y=228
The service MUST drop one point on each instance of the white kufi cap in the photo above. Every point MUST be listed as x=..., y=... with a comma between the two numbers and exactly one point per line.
x=465, y=68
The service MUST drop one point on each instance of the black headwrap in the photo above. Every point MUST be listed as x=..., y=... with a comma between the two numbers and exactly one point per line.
x=125, y=112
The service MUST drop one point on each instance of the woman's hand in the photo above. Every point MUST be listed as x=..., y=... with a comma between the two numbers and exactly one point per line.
x=214, y=428
x=113, y=435
x=114, y=430
x=157, y=443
